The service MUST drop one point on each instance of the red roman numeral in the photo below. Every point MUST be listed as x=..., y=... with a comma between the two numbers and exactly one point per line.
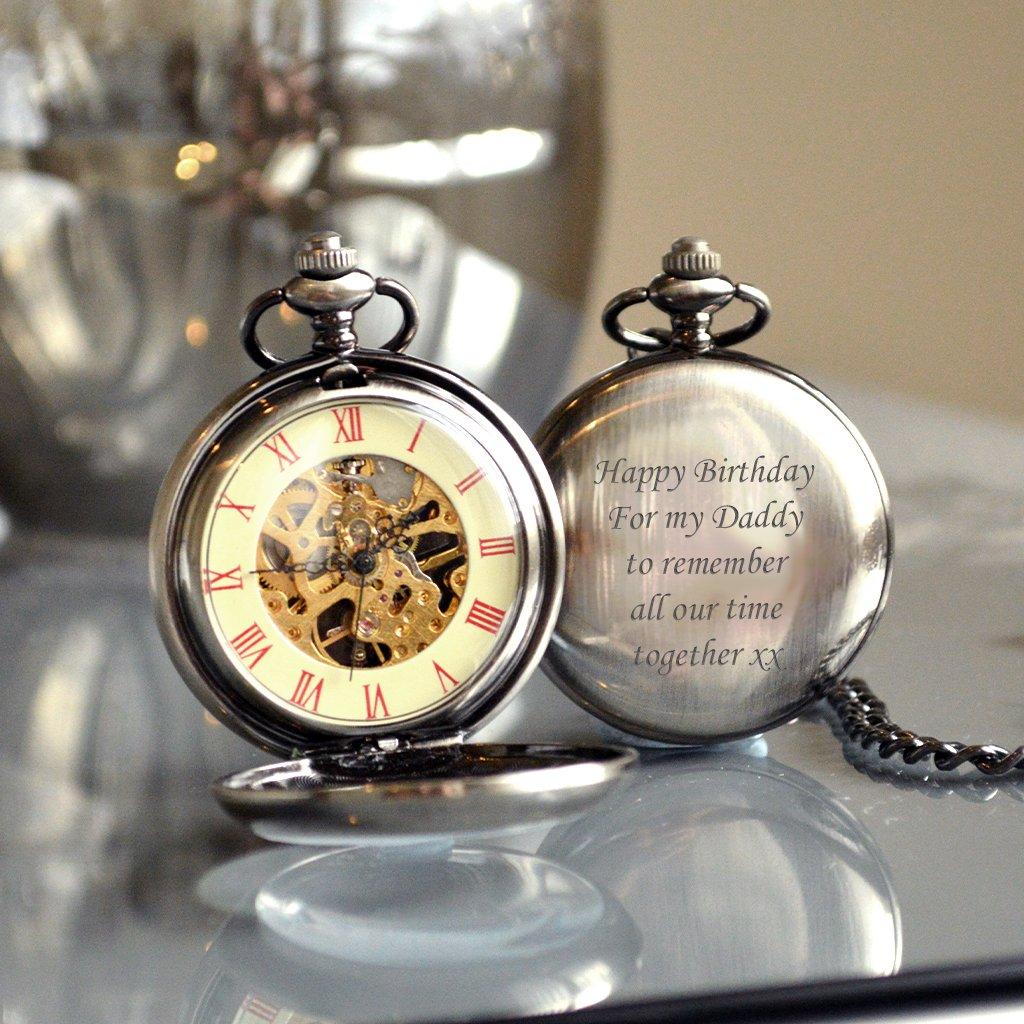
x=247, y=645
x=350, y=423
x=245, y=511
x=285, y=453
x=256, y=1007
x=416, y=437
x=474, y=478
x=306, y=691
x=448, y=681
x=485, y=616
x=497, y=546
x=230, y=580
x=375, y=703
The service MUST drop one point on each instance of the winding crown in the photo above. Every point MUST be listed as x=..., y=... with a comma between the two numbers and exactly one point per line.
x=323, y=256
x=692, y=258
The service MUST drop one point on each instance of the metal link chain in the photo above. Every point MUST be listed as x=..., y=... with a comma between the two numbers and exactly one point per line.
x=865, y=719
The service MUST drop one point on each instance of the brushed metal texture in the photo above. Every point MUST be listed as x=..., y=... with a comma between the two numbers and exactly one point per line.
x=677, y=409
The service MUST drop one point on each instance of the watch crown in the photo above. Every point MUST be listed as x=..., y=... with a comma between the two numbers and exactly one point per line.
x=692, y=258
x=322, y=256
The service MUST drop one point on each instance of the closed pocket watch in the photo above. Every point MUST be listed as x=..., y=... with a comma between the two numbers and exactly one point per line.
x=356, y=559
x=729, y=535
x=729, y=529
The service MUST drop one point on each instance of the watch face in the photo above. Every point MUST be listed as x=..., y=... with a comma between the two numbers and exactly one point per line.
x=360, y=560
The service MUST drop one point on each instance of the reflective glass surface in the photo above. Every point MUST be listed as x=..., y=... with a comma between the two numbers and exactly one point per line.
x=126, y=896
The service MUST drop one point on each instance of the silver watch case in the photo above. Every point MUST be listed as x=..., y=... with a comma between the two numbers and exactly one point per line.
x=677, y=406
x=338, y=772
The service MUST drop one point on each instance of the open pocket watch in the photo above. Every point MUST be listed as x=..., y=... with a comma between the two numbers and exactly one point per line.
x=357, y=558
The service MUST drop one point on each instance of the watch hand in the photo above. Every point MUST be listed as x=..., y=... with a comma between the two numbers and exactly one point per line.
x=337, y=562
x=355, y=626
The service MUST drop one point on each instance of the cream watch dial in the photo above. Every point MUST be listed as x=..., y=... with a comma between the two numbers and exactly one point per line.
x=361, y=561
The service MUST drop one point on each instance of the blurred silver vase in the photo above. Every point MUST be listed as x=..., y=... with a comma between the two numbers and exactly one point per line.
x=157, y=162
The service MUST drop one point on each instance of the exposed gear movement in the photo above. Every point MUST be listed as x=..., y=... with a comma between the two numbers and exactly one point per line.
x=362, y=561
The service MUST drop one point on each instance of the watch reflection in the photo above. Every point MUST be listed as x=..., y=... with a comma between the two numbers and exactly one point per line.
x=412, y=932
x=709, y=872
x=739, y=872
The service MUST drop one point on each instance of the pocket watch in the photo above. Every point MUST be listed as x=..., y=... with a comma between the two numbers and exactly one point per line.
x=357, y=558
x=729, y=531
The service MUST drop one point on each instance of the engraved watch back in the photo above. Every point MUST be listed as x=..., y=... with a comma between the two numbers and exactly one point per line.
x=728, y=528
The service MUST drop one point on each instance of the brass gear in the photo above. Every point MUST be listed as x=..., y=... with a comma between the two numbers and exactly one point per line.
x=365, y=524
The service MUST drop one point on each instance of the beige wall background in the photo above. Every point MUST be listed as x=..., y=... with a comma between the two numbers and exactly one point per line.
x=860, y=162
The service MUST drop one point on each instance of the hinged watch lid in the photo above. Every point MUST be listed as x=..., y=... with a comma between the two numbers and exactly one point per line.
x=358, y=559
x=420, y=790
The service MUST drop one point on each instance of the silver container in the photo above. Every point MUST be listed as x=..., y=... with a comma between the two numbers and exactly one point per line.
x=158, y=161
